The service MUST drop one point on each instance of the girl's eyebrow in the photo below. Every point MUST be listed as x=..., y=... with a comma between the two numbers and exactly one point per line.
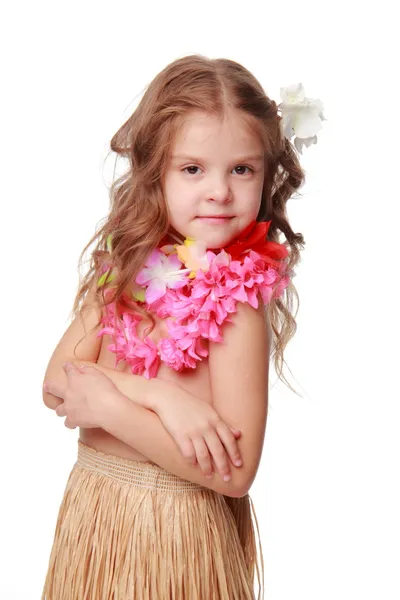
x=254, y=157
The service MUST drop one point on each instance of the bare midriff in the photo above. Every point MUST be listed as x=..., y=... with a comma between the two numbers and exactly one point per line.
x=196, y=381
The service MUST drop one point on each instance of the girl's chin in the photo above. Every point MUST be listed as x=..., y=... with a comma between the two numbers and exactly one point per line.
x=215, y=237
x=218, y=242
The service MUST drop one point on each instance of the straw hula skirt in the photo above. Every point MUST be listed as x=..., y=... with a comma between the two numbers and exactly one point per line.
x=129, y=530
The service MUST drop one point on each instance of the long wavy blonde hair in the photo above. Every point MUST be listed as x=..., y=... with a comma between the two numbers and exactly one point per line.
x=138, y=217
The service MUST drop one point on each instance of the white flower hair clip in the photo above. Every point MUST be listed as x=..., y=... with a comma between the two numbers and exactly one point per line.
x=301, y=117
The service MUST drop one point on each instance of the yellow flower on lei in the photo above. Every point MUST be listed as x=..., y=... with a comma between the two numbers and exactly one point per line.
x=193, y=254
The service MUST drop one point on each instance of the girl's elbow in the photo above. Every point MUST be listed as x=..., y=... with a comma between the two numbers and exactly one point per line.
x=237, y=491
x=244, y=489
x=237, y=487
x=241, y=482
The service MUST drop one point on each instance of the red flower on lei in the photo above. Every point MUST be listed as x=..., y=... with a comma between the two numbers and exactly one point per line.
x=254, y=237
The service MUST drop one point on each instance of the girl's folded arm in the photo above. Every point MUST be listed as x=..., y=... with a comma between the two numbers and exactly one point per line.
x=239, y=378
x=239, y=369
x=143, y=430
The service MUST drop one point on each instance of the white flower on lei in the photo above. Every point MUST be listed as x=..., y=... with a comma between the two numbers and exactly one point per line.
x=159, y=273
x=301, y=116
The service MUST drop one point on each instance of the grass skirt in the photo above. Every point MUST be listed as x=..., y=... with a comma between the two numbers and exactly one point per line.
x=129, y=530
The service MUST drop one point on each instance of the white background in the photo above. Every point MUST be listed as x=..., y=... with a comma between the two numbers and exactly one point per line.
x=326, y=493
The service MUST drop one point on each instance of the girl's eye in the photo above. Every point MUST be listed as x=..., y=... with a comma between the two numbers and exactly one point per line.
x=195, y=173
x=243, y=167
x=191, y=167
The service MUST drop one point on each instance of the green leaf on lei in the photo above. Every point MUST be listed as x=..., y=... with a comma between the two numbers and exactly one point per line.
x=104, y=279
x=139, y=295
x=109, y=243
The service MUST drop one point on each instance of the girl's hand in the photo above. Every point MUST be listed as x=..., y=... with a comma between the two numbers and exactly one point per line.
x=199, y=432
x=86, y=397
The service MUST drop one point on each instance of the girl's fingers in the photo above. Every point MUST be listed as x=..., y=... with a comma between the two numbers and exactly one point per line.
x=87, y=369
x=187, y=450
x=230, y=443
x=60, y=410
x=218, y=453
x=203, y=456
x=70, y=368
x=54, y=388
x=236, y=432
x=68, y=424
x=91, y=370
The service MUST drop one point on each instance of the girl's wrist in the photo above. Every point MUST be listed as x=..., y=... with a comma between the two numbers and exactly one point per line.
x=111, y=405
x=113, y=410
x=159, y=393
x=152, y=392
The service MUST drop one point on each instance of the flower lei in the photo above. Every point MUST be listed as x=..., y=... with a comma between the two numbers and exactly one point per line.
x=195, y=290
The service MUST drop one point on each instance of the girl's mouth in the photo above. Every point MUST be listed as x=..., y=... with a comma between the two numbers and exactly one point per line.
x=215, y=220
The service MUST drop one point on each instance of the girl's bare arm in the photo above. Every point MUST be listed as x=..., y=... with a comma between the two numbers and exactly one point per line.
x=135, y=387
x=142, y=429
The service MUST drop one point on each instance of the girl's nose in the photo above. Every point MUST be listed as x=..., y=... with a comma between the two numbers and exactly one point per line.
x=219, y=191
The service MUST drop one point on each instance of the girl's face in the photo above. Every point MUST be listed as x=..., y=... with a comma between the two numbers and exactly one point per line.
x=215, y=168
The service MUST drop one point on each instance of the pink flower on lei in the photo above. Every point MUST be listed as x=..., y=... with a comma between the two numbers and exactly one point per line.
x=212, y=297
x=191, y=347
x=252, y=277
x=171, y=354
x=160, y=272
x=283, y=283
x=175, y=303
x=143, y=358
x=177, y=358
x=141, y=355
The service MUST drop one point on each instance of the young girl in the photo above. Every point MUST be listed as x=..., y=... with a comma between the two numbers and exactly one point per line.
x=188, y=294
